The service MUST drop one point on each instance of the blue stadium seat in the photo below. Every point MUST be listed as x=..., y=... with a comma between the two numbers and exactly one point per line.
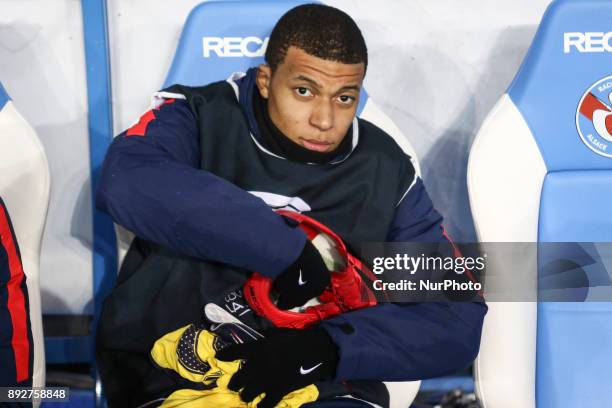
x=540, y=170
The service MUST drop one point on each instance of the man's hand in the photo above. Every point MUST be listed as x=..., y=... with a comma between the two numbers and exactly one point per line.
x=305, y=279
x=282, y=362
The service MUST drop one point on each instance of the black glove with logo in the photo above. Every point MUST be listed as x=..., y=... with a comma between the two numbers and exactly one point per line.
x=282, y=362
x=305, y=279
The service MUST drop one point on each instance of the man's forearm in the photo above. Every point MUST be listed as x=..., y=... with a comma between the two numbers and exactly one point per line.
x=193, y=211
x=394, y=342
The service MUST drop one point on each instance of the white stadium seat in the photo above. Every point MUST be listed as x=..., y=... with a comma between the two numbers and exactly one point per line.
x=24, y=187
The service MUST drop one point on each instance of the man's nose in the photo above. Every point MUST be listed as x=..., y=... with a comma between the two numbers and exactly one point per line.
x=322, y=116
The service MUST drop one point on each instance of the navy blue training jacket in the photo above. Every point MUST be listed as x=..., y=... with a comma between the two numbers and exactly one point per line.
x=152, y=185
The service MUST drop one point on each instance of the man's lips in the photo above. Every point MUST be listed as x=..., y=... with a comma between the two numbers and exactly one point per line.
x=316, y=145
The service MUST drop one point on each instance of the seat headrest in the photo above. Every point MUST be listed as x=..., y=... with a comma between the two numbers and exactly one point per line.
x=222, y=37
x=564, y=86
x=4, y=98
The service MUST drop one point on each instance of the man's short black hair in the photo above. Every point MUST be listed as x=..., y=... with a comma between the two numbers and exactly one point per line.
x=322, y=31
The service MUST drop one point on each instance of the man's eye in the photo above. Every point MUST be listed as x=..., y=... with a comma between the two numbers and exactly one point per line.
x=303, y=91
x=346, y=100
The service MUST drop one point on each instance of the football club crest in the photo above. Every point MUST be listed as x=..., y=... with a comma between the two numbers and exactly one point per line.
x=594, y=117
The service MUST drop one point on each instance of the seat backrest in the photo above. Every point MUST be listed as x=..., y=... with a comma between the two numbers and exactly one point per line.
x=223, y=37
x=540, y=169
x=24, y=187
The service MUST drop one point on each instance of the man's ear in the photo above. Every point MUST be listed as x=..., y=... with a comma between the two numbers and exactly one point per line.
x=264, y=76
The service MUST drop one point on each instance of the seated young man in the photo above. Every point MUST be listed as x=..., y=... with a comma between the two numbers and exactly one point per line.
x=197, y=180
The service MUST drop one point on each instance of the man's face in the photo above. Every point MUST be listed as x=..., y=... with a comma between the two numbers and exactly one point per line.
x=312, y=101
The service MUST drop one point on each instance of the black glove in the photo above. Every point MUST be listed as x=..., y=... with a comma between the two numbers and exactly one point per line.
x=305, y=279
x=284, y=361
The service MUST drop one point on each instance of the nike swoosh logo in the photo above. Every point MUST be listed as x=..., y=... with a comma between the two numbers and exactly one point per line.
x=300, y=281
x=309, y=370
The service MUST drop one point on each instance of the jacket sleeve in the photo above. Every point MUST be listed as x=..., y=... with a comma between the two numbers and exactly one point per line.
x=151, y=184
x=408, y=341
x=16, y=343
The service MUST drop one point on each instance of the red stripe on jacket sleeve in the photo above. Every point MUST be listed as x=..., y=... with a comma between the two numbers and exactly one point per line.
x=140, y=128
x=457, y=254
x=16, y=300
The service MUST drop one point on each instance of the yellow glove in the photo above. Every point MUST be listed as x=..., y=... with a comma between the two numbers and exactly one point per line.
x=190, y=351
